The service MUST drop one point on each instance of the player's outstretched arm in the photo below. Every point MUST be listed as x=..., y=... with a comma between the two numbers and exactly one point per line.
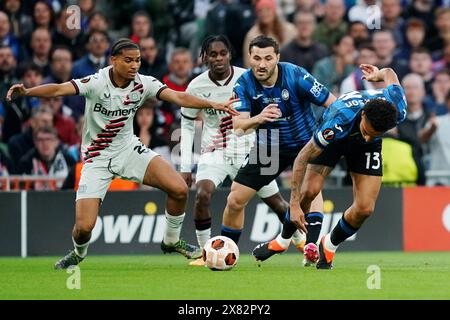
x=187, y=100
x=308, y=153
x=373, y=74
x=244, y=122
x=43, y=91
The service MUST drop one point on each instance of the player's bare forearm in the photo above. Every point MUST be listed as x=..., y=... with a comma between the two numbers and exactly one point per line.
x=308, y=153
x=373, y=74
x=242, y=124
x=51, y=90
x=389, y=76
x=43, y=91
x=331, y=98
x=187, y=100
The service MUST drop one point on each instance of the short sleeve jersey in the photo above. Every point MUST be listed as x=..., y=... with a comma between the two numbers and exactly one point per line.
x=339, y=120
x=110, y=110
x=294, y=92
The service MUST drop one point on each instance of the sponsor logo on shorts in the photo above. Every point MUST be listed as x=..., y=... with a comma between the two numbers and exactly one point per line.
x=82, y=188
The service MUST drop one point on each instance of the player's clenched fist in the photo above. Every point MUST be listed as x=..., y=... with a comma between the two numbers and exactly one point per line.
x=269, y=113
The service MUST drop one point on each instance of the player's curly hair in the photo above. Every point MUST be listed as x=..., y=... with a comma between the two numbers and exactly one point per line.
x=214, y=38
x=381, y=114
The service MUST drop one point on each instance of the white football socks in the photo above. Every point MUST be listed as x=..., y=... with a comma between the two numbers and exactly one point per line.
x=283, y=242
x=80, y=249
x=203, y=236
x=173, y=228
x=329, y=245
x=298, y=238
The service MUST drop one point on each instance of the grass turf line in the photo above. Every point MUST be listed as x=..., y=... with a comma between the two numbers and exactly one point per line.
x=403, y=276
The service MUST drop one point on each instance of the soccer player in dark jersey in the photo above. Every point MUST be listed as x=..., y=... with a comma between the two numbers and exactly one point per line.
x=351, y=127
x=275, y=100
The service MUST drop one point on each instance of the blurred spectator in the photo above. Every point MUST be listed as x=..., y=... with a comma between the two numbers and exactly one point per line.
x=141, y=26
x=436, y=134
x=21, y=23
x=359, y=32
x=424, y=10
x=21, y=143
x=8, y=65
x=18, y=111
x=148, y=130
x=364, y=11
x=64, y=125
x=75, y=150
x=87, y=7
x=180, y=68
x=60, y=65
x=304, y=51
x=421, y=64
x=7, y=37
x=416, y=119
x=98, y=21
x=47, y=158
x=233, y=19
x=333, y=25
x=43, y=15
x=188, y=17
x=97, y=47
x=330, y=71
x=441, y=90
x=391, y=19
x=61, y=70
x=67, y=36
x=354, y=81
x=415, y=36
x=269, y=24
x=41, y=43
x=313, y=6
x=384, y=44
x=442, y=37
x=443, y=60
x=152, y=64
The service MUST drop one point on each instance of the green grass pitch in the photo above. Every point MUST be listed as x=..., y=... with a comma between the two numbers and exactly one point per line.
x=403, y=276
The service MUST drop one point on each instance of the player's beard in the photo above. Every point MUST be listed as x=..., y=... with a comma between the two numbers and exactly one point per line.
x=269, y=74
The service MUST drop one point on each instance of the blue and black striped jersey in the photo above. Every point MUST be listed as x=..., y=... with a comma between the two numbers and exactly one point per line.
x=294, y=91
x=338, y=121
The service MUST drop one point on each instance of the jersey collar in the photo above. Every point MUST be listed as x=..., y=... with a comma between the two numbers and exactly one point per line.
x=226, y=82
x=111, y=78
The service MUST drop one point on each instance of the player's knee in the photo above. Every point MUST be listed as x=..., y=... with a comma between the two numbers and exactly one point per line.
x=365, y=209
x=180, y=192
x=203, y=198
x=83, y=228
x=234, y=204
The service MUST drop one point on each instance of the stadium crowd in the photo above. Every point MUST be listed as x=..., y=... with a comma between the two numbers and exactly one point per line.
x=329, y=38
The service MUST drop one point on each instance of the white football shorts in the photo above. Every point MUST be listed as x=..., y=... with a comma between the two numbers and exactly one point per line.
x=130, y=164
x=215, y=166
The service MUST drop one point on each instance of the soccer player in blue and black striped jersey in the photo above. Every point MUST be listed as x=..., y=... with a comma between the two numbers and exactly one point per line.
x=351, y=128
x=275, y=100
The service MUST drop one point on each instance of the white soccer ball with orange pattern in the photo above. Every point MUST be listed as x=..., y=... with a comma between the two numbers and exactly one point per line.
x=220, y=253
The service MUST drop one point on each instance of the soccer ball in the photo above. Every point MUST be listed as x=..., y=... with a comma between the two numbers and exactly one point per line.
x=220, y=253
